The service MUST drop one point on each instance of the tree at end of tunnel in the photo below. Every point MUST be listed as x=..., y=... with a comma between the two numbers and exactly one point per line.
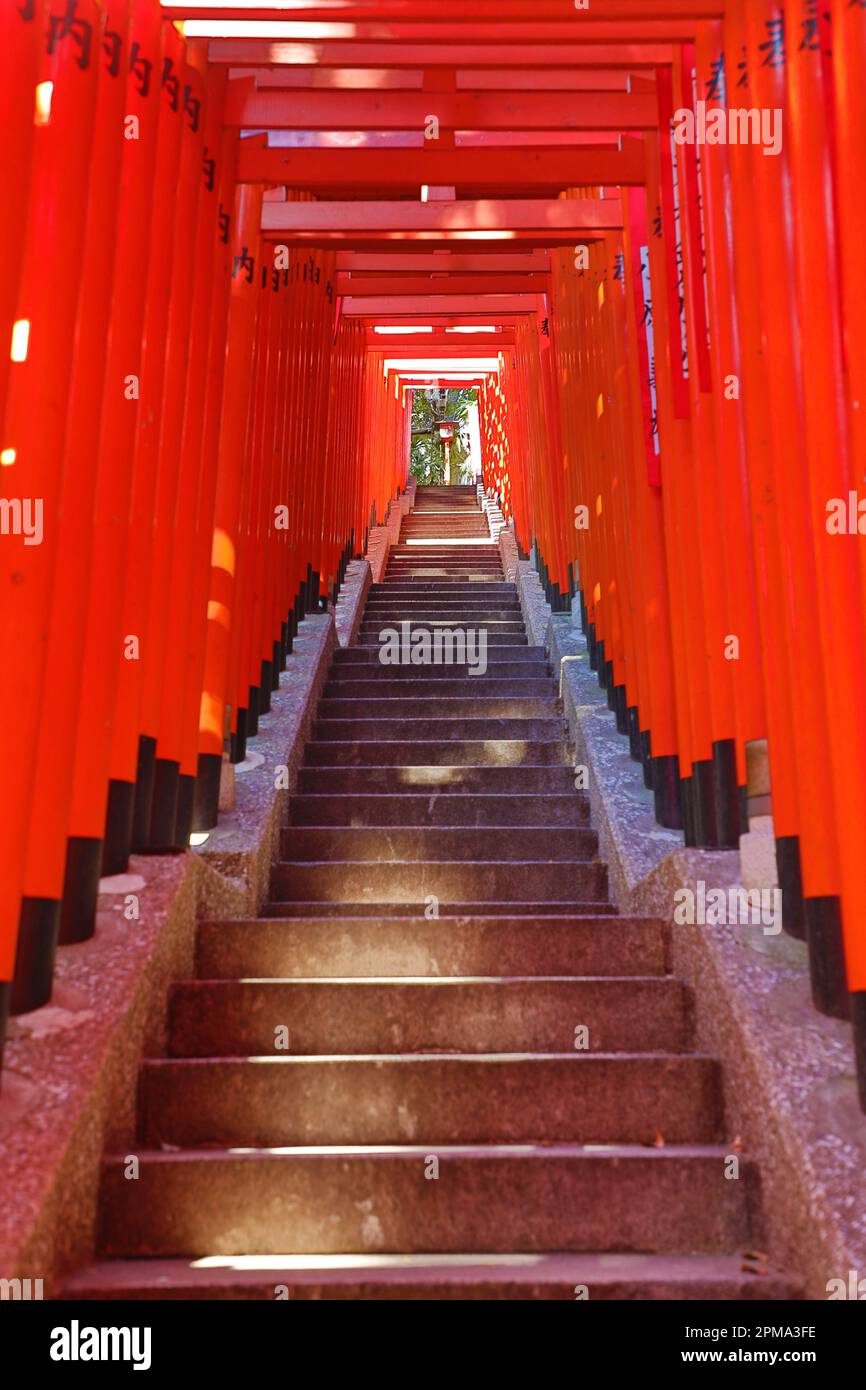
x=435, y=458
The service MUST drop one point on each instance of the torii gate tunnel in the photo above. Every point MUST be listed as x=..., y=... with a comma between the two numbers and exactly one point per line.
x=237, y=236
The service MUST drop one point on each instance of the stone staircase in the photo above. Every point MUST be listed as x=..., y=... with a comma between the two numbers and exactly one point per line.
x=489, y=1087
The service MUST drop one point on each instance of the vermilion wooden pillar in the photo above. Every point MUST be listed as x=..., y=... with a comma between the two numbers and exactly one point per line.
x=190, y=691
x=61, y=702
x=172, y=516
x=849, y=75
x=102, y=643
x=193, y=519
x=222, y=593
x=22, y=40
x=132, y=751
x=838, y=962
x=34, y=432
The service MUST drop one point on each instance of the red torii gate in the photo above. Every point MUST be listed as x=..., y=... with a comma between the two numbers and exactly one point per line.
x=177, y=412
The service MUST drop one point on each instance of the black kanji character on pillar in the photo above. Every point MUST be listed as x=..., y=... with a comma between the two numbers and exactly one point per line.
x=716, y=81
x=208, y=168
x=192, y=107
x=329, y=291
x=27, y=10
x=141, y=69
x=773, y=46
x=743, y=70
x=68, y=25
x=224, y=222
x=811, y=26
x=111, y=46
x=244, y=262
x=619, y=266
x=657, y=222
x=171, y=83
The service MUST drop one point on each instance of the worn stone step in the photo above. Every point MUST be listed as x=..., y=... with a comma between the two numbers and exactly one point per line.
x=461, y=730
x=424, y=705
x=239, y=1018
x=317, y=947
x=421, y=843
x=393, y=590
x=414, y=911
x=441, y=809
x=546, y=1197
x=485, y=686
x=513, y=881
x=437, y=780
x=408, y=754
x=535, y=1277
x=491, y=1098
x=371, y=668
x=536, y=656
x=424, y=614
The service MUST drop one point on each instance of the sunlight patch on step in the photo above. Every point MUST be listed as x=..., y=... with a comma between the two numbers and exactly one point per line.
x=267, y=1262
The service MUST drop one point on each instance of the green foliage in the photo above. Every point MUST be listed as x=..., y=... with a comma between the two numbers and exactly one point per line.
x=428, y=451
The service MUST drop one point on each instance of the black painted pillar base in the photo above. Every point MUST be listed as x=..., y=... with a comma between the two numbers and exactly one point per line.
x=284, y=645
x=278, y=664
x=858, y=1023
x=704, y=794
x=609, y=686
x=238, y=740
x=823, y=919
x=633, y=723
x=143, y=806
x=744, y=810
x=5, y=996
x=791, y=884
x=253, y=707
x=163, y=820
x=592, y=646
x=666, y=790
x=38, y=930
x=185, y=809
x=727, y=794
x=207, y=792
x=117, y=840
x=85, y=864
x=266, y=685
x=646, y=757
x=687, y=801
x=620, y=708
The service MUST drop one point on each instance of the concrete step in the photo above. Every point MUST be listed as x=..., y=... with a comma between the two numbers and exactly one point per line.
x=427, y=843
x=410, y=754
x=437, y=780
x=358, y=948
x=439, y=809
x=268, y=1100
x=415, y=881
x=547, y=1197
x=238, y=1018
x=472, y=1276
